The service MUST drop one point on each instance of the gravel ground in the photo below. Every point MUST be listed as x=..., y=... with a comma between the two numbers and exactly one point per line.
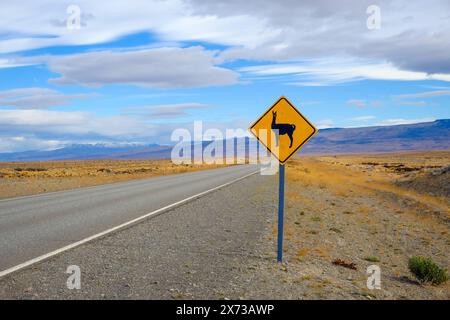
x=193, y=251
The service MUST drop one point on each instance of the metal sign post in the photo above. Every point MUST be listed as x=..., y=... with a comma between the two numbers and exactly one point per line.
x=293, y=130
x=280, y=213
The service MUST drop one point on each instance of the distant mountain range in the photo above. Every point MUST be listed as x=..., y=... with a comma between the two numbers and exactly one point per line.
x=420, y=136
x=91, y=151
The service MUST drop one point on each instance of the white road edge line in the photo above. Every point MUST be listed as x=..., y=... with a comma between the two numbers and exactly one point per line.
x=123, y=225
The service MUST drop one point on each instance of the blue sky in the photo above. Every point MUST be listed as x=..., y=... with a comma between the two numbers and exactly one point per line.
x=133, y=72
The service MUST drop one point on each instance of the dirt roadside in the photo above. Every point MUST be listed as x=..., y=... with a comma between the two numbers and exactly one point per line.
x=350, y=208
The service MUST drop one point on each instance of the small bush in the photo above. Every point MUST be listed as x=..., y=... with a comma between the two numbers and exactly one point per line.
x=372, y=259
x=345, y=264
x=425, y=270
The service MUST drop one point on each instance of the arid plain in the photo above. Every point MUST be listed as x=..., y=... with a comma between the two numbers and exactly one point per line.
x=363, y=210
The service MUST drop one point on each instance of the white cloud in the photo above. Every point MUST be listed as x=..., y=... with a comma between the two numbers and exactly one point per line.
x=324, y=124
x=165, y=111
x=74, y=123
x=100, y=22
x=23, y=143
x=409, y=98
x=427, y=94
x=224, y=30
x=282, y=31
x=420, y=103
x=10, y=63
x=331, y=71
x=36, y=98
x=392, y=122
x=18, y=92
x=363, y=118
x=356, y=103
x=32, y=25
x=410, y=33
x=46, y=129
x=167, y=67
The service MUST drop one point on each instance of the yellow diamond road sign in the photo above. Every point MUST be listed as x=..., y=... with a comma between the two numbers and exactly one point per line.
x=283, y=130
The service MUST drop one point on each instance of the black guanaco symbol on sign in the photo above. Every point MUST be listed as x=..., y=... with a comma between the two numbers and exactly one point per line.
x=283, y=128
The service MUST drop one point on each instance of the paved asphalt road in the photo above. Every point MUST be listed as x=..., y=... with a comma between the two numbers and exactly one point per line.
x=208, y=248
x=35, y=225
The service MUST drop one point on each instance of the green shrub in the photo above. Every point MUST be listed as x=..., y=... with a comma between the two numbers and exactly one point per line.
x=372, y=259
x=425, y=270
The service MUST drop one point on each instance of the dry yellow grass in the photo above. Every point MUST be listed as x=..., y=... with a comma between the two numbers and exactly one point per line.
x=367, y=174
x=351, y=207
x=26, y=178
